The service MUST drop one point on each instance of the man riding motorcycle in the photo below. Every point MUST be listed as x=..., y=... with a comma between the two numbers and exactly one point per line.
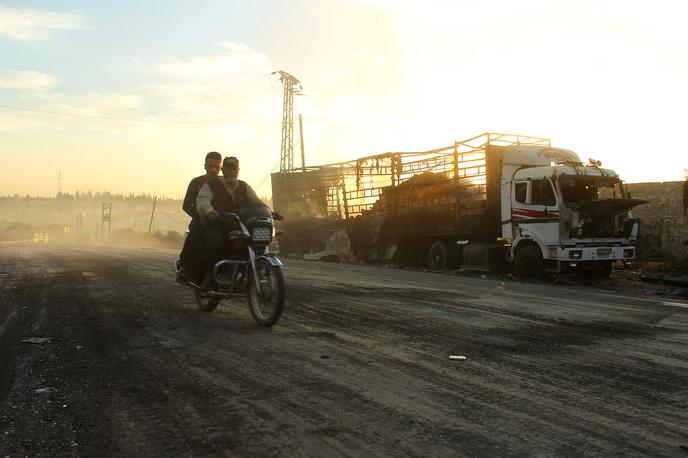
x=225, y=194
x=193, y=244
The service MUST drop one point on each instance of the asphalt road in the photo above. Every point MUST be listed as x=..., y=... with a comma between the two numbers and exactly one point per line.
x=358, y=365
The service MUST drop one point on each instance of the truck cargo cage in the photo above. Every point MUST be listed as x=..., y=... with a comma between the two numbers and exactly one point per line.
x=348, y=189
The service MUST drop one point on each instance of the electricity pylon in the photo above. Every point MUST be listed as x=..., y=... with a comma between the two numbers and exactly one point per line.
x=291, y=86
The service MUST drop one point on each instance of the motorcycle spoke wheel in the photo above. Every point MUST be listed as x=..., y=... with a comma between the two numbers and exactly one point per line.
x=266, y=303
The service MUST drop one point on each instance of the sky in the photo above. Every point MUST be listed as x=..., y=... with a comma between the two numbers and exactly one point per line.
x=129, y=96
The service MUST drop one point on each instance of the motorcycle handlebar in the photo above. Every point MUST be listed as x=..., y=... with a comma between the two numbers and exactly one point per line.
x=227, y=216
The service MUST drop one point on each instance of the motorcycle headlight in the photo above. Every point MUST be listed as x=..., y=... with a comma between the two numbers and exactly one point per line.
x=261, y=234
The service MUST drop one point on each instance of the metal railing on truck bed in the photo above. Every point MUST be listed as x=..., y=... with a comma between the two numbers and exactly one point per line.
x=351, y=188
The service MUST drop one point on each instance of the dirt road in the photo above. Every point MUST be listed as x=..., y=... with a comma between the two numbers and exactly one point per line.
x=358, y=365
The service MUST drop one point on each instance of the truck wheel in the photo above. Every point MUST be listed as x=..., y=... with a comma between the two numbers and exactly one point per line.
x=529, y=263
x=437, y=257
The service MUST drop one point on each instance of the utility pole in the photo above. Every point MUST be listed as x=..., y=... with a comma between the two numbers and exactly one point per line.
x=303, y=155
x=150, y=224
x=80, y=221
x=59, y=182
x=291, y=86
x=106, y=217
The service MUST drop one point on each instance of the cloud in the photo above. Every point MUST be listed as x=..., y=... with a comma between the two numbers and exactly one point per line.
x=104, y=104
x=10, y=123
x=84, y=112
x=232, y=85
x=36, y=25
x=237, y=59
x=95, y=105
x=235, y=133
x=27, y=81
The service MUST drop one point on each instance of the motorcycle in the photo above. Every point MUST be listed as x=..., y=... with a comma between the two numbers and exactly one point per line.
x=247, y=266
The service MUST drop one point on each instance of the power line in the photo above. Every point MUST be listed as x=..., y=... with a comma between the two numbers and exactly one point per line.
x=361, y=93
x=128, y=121
x=265, y=177
x=146, y=106
x=111, y=118
x=41, y=131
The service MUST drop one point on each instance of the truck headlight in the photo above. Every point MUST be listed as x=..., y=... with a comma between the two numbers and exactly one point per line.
x=261, y=234
x=629, y=253
x=575, y=254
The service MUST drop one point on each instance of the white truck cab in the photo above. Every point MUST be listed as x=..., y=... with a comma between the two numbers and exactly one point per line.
x=560, y=215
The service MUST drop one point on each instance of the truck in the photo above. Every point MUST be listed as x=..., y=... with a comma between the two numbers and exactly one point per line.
x=491, y=202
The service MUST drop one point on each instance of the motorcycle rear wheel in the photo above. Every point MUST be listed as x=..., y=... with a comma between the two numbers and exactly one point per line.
x=266, y=305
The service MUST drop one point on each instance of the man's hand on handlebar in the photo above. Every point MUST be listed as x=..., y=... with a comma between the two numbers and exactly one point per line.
x=277, y=216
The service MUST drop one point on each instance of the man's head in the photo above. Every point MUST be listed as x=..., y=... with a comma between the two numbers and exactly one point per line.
x=212, y=164
x=230, y=168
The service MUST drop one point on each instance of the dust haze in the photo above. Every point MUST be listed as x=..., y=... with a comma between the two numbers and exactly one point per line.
x=82, y=218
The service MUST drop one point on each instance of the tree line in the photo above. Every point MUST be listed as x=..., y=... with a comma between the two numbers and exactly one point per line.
x=85, y=196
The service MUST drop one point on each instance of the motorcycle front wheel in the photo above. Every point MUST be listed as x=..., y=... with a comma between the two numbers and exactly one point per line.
x=267, y=301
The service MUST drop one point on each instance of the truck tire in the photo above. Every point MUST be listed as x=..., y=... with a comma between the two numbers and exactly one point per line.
x=529, y=264
x=437, y=257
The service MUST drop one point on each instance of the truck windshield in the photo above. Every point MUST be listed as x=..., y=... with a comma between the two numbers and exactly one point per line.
x=577, y=189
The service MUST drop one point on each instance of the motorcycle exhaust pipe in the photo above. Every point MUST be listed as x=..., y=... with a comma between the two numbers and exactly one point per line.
x=211, y=292
x=188, y=283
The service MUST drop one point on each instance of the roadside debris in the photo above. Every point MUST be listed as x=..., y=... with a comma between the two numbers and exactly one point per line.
x=675, y=304
x=327, y=255
x=663, y=280
x=45, y=390
x=457, y=358
x=36, y=340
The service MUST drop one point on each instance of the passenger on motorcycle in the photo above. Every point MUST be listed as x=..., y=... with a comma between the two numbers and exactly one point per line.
x=220, y=194
x=193, y=244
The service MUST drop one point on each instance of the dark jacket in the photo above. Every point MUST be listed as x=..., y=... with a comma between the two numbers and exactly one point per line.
x=223, y=200
x=189, y=205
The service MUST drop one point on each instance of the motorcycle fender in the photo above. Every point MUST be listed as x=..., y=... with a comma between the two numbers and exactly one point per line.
x=272, y=260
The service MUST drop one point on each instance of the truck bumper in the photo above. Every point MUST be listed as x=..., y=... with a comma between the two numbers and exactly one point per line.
x=620, y=253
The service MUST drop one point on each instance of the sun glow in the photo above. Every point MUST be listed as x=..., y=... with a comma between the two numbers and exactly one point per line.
x=605, y=79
